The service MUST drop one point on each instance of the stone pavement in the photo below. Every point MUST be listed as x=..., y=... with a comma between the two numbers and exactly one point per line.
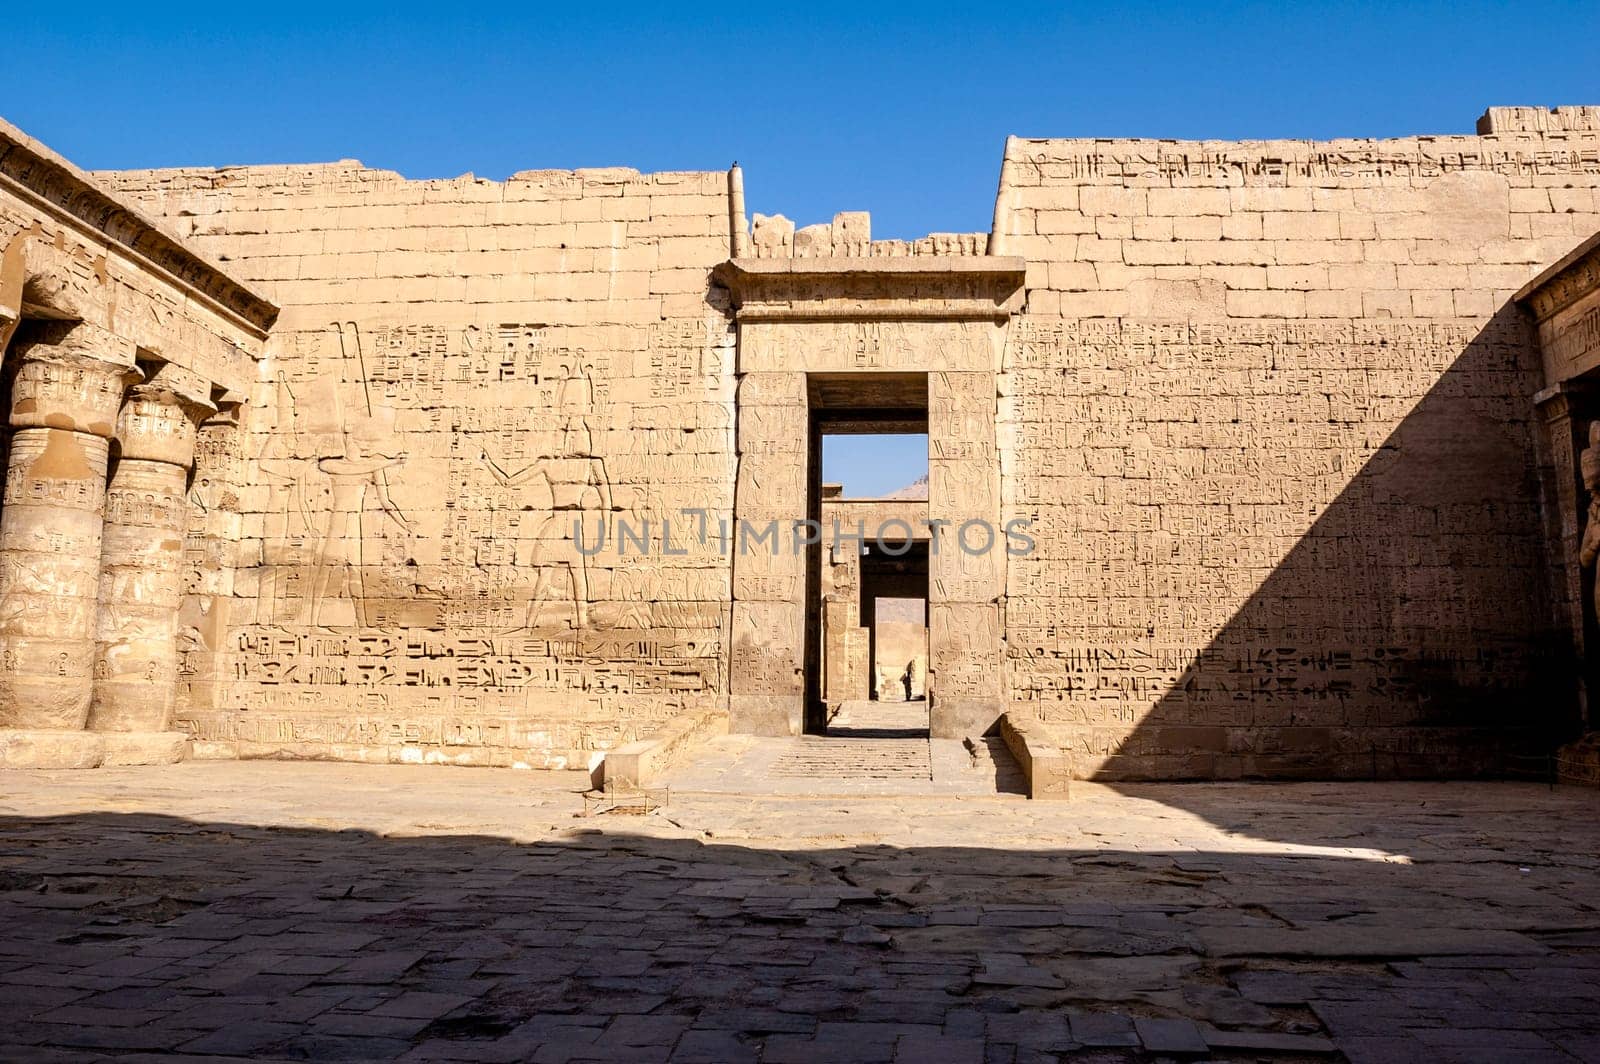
x=871, y=719
x=272, y=911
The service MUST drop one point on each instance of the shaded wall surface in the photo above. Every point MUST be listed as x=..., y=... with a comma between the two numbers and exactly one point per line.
x=1266, y=405
x=1273, y=416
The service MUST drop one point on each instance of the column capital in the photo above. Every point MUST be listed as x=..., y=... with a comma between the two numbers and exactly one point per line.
x=1557, y=401
x=71, y=377
x=161, y=417
x=171, y=383
x=75, y=341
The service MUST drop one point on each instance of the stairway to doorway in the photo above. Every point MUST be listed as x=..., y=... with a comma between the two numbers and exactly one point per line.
x=869, y=749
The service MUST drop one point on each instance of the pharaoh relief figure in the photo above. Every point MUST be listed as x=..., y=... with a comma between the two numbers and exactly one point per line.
x=359, y=505
x=1589, y=464
x=356, y=480
x=572, y=491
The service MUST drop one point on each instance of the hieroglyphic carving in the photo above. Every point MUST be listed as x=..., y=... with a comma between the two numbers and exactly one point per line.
x=871, y=345
x=1294, y=524
x=418, y=487
x=1298, y=161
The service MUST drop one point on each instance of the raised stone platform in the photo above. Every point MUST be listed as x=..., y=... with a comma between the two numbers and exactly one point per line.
x=872, y=750
x=145, y=748
x=1046, y=765
x=646, y=762
x=52, y=748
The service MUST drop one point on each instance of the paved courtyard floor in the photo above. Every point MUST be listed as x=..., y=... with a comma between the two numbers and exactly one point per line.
x=274, y=911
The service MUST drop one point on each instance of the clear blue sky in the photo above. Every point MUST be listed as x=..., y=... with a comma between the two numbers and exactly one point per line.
x=873, y=465
x=899, y=111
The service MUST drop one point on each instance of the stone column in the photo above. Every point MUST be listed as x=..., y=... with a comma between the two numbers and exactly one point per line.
x=141, y=571
x=64, y=401
x=211, y=549
x=1564, y=520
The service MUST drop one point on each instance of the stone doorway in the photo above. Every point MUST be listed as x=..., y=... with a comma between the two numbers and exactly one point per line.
x=832, y=345
x=869, y=549
x=777, y=657
x=894, y=606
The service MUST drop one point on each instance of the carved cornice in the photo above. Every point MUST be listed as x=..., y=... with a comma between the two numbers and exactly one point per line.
x=35, y=174
x=1574, y=275
x=839, y=288
x=1557, y=401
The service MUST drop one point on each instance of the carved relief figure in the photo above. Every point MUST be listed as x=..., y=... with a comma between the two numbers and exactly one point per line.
x=289, y=521
x=578, y=485
x=356, y=475
x=1589, y=463
x=341, y=557
x=567, y=486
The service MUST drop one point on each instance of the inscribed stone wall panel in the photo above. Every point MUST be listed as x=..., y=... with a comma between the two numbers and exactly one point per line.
x=472, y=382
x=1261, y=528
x=1267, y=409
x=1271, y=414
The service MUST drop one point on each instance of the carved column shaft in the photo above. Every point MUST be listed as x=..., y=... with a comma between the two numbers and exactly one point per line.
x=141, y=574
x=64, y=405
x=1567, y=519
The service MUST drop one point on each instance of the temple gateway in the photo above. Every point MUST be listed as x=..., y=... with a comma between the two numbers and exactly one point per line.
x=1288, y=455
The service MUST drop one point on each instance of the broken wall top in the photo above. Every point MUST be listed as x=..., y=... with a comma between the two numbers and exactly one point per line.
x=348, y=180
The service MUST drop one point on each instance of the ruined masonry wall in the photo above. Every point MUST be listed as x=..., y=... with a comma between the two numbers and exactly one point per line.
x=461, y=368
x=1272, y=413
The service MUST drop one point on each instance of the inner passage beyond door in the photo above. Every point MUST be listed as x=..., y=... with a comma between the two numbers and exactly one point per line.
x=867, y=608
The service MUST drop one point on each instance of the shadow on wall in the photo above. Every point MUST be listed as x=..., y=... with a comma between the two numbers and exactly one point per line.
x=1411, y=630
x=153, y=933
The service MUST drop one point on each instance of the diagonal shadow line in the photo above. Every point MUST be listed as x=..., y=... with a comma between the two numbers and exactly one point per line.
x=1409, y=632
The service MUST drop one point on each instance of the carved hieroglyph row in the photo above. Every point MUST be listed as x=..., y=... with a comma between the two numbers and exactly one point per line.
x=1301, y=161
x=1295, y=526
x=428, y=522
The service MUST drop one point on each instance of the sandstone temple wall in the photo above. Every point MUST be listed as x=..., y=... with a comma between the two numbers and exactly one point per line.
x=462, y=369
x=1273, y=414
x=1267, y=404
